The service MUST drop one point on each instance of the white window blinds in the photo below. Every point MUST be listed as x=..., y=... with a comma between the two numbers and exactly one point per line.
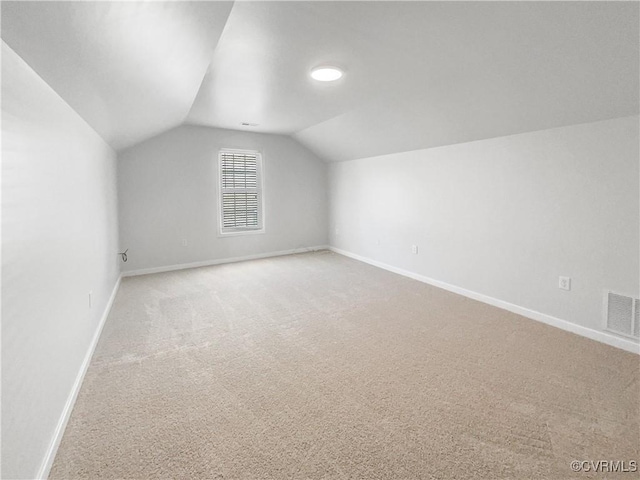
x=241, y=191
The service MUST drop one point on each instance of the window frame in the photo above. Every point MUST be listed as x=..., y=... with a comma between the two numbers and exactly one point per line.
x=261, y=210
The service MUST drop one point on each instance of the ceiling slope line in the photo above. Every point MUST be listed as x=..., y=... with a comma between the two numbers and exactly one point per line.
x=209, y=66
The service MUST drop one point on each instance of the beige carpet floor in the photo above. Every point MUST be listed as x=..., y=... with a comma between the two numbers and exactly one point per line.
x=319, y=366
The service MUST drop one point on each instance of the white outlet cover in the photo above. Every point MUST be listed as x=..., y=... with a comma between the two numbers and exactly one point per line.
x=564, y=283
x=414, y=249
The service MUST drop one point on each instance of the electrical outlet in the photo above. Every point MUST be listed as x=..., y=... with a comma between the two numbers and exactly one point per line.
x=184, y=242
x=337, y=231
x=414, y=249
x=377, y=241
x=564, y=283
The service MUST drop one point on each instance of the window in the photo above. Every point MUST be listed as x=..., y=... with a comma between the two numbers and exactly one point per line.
x=240, y=192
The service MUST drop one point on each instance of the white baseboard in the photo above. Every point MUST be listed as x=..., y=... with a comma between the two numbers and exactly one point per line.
x=604, y=337
x=47, y=463
x=207, y=263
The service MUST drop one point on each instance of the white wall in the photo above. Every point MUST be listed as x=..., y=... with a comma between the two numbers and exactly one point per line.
x=504, y=217
x=168, y=192
x=59, y=241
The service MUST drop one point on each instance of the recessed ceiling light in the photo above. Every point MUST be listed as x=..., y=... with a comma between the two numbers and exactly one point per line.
x=326, y=73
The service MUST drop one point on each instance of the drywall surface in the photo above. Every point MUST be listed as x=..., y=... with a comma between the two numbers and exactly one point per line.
x=59, y=241
x=168, y=194
x=504, y=217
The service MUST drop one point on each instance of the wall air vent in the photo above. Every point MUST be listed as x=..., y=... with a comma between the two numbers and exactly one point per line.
x=622, y=314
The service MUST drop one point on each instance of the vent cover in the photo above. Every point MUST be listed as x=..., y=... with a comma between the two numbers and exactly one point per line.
x=622, y=315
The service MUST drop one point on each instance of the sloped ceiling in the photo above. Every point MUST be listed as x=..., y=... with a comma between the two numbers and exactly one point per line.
x=418, y=74
x=130, y=69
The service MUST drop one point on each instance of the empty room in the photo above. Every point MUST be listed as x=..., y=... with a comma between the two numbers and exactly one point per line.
x=320, y=240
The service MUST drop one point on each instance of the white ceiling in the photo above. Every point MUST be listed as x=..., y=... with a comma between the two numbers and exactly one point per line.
x=130, y=69
x=418, y=74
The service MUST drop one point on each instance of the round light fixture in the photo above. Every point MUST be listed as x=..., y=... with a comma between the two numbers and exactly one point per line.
x=326, y=73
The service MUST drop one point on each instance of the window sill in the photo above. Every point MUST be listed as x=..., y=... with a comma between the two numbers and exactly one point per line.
x=240, y=232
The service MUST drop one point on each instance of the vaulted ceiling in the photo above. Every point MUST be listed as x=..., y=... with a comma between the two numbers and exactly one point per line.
x=418, y=74
x=130, y=69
